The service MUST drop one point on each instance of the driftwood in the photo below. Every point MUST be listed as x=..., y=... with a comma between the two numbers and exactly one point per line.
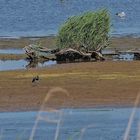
x=68, y=55
x=35, y=52
x=97, y=56
x=73, y=55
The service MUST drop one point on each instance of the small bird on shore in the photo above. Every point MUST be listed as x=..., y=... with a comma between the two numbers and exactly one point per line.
x=121, y=14
x=36, y=78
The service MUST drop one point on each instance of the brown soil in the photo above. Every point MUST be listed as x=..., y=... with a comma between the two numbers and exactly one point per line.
x=89, y=84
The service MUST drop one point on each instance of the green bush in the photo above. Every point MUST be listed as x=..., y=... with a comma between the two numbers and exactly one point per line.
x=89, y=30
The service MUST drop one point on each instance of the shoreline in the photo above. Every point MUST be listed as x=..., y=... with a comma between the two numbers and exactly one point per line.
x=115, y=44
x=112, y=107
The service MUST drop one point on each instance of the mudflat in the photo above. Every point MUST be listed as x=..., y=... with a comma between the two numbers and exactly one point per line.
x=50, y=42
x=90, y=84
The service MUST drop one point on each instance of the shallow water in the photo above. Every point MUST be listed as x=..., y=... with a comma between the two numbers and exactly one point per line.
x=23, y=64
x=77, y=124
x=120, y=56
x=44, y=17
x=124, y=57
x=11, y=51
x=12, y=64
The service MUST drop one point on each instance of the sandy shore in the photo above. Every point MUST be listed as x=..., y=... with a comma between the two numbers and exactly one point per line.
x=91, y=84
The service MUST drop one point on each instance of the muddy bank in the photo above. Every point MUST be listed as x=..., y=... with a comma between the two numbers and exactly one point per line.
x=12, y=56
x=88, y=85
x=50, y=42
x=125, y=43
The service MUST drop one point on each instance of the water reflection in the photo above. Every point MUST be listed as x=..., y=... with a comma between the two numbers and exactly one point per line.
x=35, y=64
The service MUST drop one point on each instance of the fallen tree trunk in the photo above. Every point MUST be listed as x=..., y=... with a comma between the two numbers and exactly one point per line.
x=34, y=52
x=68, y=55
x=97, y=56
x=73, y=55
x=38, y=54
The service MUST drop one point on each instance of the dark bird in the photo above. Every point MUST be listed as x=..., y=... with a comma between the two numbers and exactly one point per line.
x=36, y=78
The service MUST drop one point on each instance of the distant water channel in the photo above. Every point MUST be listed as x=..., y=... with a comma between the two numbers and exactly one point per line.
x=23, y=64
x=71, y=124
x=11, y=51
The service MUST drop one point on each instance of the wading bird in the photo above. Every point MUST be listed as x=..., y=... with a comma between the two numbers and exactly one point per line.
x=36, y=78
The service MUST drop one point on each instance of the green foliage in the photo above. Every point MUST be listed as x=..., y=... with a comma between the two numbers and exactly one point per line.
x=89, y=30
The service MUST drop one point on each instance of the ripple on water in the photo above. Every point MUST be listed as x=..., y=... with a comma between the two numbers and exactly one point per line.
x=89, y=124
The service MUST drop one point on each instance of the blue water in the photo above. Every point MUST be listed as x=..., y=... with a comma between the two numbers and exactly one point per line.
x=23, y=64
x=12, y=64
x=11, y=51
x=124, y=57
x=96, y=124
x=44, y=17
